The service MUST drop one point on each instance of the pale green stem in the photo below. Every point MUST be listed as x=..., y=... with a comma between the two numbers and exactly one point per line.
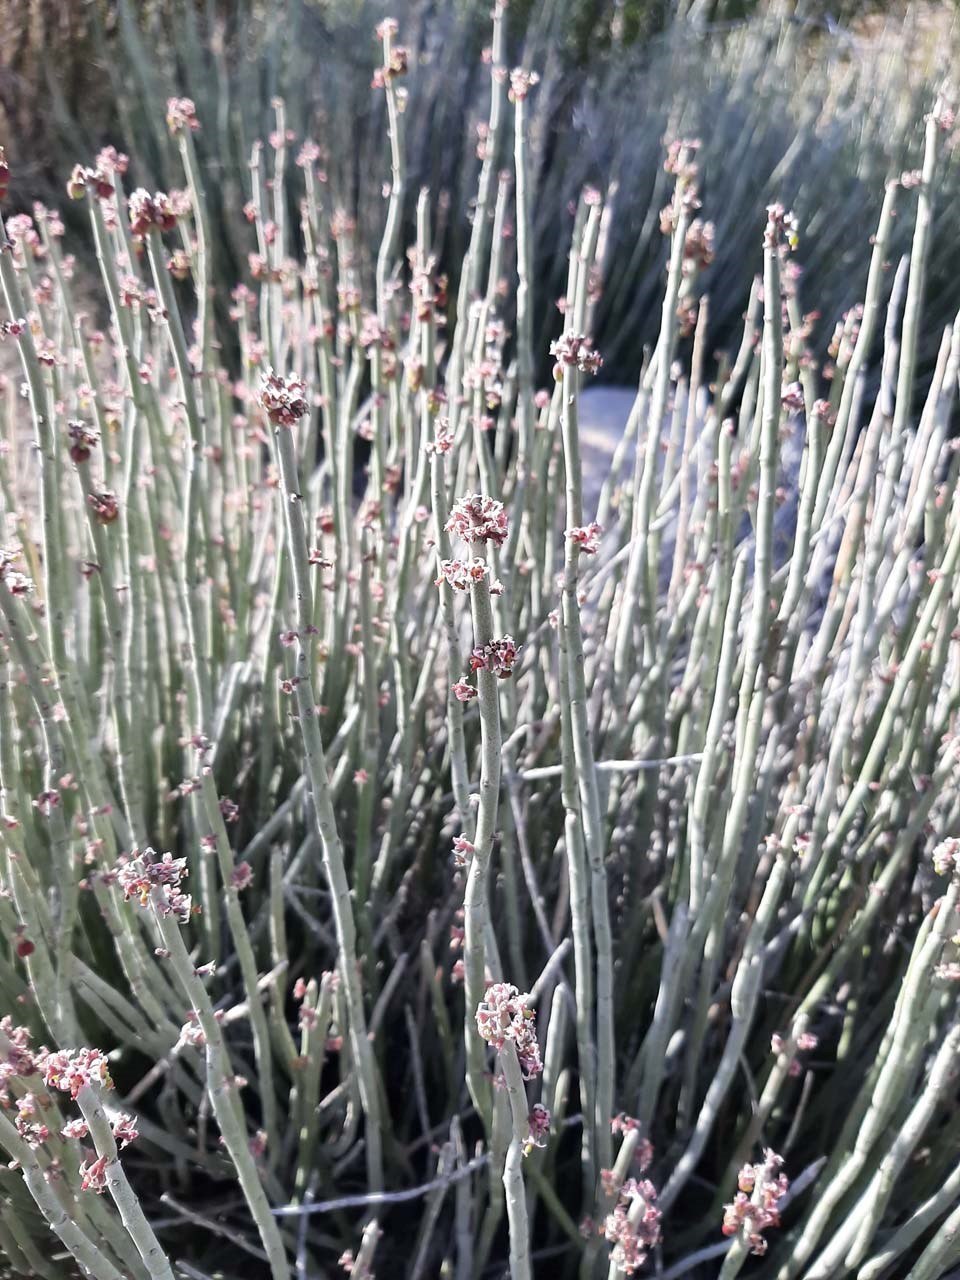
x=124, y=1196
x=324, y=814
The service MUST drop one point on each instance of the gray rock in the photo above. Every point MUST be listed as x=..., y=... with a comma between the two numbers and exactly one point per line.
x=603, y=416
x=602, y=420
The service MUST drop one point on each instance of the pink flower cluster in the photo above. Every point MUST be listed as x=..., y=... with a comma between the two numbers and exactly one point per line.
x=16, y=583
x=680, y=157
x=943, y=114
x=755, y=1207
x=192, y=1033
x=804, y=1042
x=575, y=349
x=946, y=856
x=521, y=82
x=71, y=1070
x=105, y=506
x=283, y=399
x=633, y=1228
x=643, y=1157
x=181, y=115
x=499, y=657
x=148, y=211
x=443, y=440
x=96, y=180
x=93, y=1175
x=463, y=691
x=112, y=161
x=396, y=66
x=539, y=1122
x=125, y=1129
x=462, y=850
x=462, y=574
x=781, y=227
x=141, y=875
x=19, y=1060
x=698, y=247
x=503, y=1015
x=241, y=877
x=476, y=518
x=587, y=537
x=33, y=1131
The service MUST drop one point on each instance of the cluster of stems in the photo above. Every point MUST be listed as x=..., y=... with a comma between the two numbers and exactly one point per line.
x=323, y=598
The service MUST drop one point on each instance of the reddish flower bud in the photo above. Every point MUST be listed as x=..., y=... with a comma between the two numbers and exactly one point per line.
x=105, y=506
